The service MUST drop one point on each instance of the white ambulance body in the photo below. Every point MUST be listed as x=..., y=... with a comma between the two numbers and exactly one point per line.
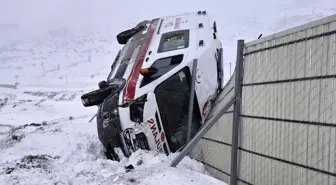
x=146, y=104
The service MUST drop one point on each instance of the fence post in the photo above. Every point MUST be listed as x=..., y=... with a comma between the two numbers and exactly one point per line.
x=191, y=100
x=236, y=112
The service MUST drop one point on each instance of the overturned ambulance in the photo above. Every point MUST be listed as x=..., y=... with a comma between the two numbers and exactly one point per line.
x=143, y=104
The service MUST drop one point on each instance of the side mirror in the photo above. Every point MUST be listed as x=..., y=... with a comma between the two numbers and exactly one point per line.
x=96, y=97
x=106, y=88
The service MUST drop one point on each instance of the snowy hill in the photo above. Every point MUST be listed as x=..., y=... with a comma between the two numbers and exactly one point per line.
x=52, y=52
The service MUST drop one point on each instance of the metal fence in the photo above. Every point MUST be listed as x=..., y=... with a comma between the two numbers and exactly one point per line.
x=280, y=125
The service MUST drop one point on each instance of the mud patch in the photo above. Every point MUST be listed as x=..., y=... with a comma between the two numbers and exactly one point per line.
x=49, y=95
x=5, y=99
x=44, y=123
x=16, y=134
x=3, y=102
x=42, y=162
x=10, y=86
x=39, y=102
x=57, y=96
x=4, y=128
x=18, y=103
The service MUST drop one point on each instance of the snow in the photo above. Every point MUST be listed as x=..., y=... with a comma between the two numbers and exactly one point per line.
x=51, y=52
x=60, y=146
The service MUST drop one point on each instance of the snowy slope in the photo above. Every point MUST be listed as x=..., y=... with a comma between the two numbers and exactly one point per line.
x=53, y=51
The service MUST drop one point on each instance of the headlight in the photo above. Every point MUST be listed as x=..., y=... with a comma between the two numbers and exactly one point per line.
x=136, y=109
x=108, y=116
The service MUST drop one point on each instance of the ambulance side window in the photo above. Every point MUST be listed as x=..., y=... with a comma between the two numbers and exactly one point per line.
x=174, y=40
x=163, y=65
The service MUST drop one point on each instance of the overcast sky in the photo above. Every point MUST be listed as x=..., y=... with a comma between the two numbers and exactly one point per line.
x=238, y=19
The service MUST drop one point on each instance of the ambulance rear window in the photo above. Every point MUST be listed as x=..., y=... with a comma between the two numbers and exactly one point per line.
x=174, y=40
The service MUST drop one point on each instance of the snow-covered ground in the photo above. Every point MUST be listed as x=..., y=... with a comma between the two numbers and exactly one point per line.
x=53, y=51
x=46, y=138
